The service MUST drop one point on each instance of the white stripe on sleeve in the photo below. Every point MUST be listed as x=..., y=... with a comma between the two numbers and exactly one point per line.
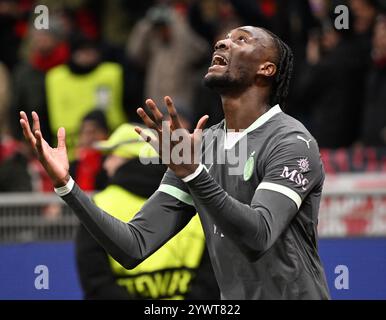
x=283, y=190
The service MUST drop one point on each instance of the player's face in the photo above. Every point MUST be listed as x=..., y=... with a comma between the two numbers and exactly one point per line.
x=236, y=58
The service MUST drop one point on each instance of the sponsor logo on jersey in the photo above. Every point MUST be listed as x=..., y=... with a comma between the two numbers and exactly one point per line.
x=249, y=167
x=295, y=176
x=304, y=165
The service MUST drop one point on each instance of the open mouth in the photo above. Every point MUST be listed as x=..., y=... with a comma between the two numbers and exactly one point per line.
x=219, y=61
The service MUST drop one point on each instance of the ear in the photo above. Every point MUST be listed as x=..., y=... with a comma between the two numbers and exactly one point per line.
x=267, y=69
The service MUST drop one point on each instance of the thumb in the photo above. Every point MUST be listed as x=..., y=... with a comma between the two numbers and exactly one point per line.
x=197, y=133
x=197, y=138
x=61, y=138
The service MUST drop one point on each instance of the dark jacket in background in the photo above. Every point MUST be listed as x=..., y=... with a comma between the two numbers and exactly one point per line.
x=28, y=95
x=331, y=93
x=374, y=113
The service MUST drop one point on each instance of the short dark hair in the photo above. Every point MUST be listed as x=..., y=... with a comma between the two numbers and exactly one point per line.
x=281, y=81
x=98, y=117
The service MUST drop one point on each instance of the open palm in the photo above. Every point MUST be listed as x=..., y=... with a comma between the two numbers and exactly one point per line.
x=54, y=160
x=164, y=131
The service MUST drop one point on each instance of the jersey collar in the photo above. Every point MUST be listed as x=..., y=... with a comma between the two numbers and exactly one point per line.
x=256, y=124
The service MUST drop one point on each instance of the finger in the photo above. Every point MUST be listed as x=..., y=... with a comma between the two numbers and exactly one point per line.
x=36, y=122
x=23, y=116
x=174, y=118
x=197, y=138
x=147, y=138
x=146, y=119
x=198, y=131
x=158, y=116
x=202, y=122
x=142, y=134
x=61, y=138
x=39, y=142
x=26, y=128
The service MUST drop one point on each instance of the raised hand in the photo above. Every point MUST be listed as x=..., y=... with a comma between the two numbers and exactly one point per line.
x=167, y=131
x=54, y=160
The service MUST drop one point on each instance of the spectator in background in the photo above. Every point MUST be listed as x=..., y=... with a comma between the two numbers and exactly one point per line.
x=179, y=270
x=108, y=22
x=5, y=89
x=87, y=167
x=364, y=13
x=8, y=145
x=164, y=44
x=330, y=86
x=13, y=26
x=374, y=115
x=209, y=17
x=21, y=171
x=85, y=83
x=47, y=49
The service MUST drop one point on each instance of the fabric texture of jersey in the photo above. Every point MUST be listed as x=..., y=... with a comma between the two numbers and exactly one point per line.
x=287, y=171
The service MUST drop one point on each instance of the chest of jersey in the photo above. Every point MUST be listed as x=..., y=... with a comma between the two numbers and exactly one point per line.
x=235, y=169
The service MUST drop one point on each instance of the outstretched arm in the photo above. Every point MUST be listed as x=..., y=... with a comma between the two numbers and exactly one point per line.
x=130, y=243
x=161, y=217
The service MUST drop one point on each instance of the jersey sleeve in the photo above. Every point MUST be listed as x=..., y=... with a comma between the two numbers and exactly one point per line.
x=293, y=168
x=162, y=216
x=176, y=188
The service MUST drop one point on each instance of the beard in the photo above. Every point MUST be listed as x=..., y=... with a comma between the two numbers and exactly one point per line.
x=226, y=82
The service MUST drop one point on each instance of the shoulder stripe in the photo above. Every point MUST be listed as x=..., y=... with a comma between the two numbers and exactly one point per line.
x=176, y=193
x=283, y=190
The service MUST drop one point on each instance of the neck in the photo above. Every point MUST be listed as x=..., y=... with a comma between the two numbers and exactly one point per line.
x=242, y=110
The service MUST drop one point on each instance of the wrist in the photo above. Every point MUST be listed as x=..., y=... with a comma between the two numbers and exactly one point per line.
x=65, y=189
x=62, y=182
x=193, y=174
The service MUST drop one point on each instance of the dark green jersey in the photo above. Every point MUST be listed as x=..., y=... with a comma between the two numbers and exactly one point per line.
x=258, y=199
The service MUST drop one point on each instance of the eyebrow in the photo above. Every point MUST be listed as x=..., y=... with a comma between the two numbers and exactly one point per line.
x=249, y=33
x=243, y=30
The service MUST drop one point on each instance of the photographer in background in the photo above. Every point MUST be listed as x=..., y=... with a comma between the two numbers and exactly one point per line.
x=170, y=52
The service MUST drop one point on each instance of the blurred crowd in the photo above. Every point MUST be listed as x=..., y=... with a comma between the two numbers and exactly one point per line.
x=99, y=60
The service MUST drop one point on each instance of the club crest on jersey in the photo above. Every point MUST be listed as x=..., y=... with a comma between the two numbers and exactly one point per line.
x=249, y=167
x=295, y=176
